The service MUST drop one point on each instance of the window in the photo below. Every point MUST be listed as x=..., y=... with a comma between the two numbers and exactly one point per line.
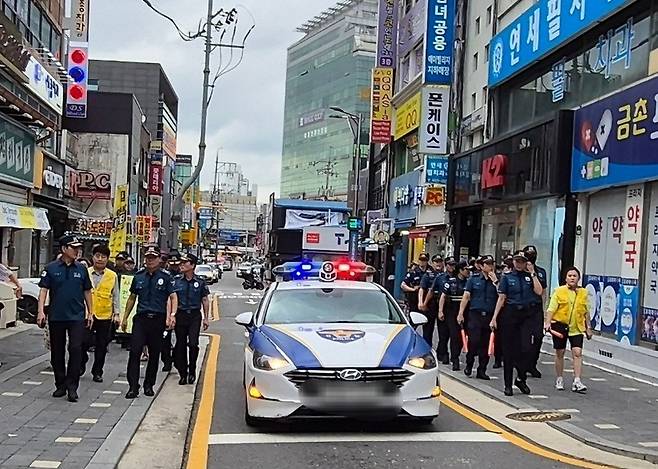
x=489, y=14
x=475, y=61
x=486, y=53
x=474, y=101
x=484, y=95
x=35, y=20
x=477, y=25
x=45, y=32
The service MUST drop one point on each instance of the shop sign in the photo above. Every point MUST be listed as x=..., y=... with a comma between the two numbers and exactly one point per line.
x=436, y=169
x=382, y=109
x=315, y=132
x=434, y=195
x=21, y=217
x=439, y=42
x=412, y=27
x=155, y=179
x=143, y=226
x=93, y=185
x=434, y=120
x=402, y=201
x=94, y=227
x=493, y=171
x=541, y=29
x=52, y=179
x=649, y=319
x=155, y=209
x=16, y=152
x=311, y=118
x=387, y=33
x=169, y=140
x=70, y=181
x=334, y=239
x=615, y=138
x=44, y=85
x=80, y=21
x=407, y=116
x=119, y=217
x=183, y=160
x=155, y=146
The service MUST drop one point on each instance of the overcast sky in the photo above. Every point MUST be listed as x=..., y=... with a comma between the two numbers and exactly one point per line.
x=246, y=115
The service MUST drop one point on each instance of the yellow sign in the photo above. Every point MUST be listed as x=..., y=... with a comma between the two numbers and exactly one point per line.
x=188, y=237
x=119, y=231
x=407, y=116
x=124, y=293
x=382, y=108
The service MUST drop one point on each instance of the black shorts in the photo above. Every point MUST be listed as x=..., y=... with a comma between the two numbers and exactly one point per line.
x=575, y=341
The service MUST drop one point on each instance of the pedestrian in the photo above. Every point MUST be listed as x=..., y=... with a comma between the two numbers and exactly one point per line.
x=67, y=284
x=537, y=310
x=451, y=296
x=105, y=295
x=427, y=304
x=515, y=293
x=154, y=290
x=192, y=294
x=411, y=283
x=567, y=319
x=481, y=295
x=7, y=276
x=129, y=265
x=119, y=266
x=167, y=356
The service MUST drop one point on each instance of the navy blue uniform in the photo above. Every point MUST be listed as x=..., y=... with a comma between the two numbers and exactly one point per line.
x=453, y=287
x=413, y=279
x=484, y=296
x=152, y=291
x=188, y=323
x=66, y=285
x=537, y=311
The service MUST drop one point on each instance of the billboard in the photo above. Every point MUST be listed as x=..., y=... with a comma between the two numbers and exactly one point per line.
x=325, y=238
x=439, y=42
x=120, y=215
x=382, y=110
x=435, y=104
x=387, y=33
x=93, y=185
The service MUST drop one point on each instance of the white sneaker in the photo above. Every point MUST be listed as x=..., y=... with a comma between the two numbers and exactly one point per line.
x=559, y=383
x=579, y=387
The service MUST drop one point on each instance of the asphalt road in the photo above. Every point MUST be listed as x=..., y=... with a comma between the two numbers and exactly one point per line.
x=454, y=441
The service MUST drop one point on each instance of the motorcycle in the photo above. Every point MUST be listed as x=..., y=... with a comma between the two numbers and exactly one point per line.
x=252, y=280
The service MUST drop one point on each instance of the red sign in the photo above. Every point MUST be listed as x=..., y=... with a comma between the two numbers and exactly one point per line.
x=434, y=196
x=313, y=238
x=155, y=179
x=493, y=171
x=93, y=185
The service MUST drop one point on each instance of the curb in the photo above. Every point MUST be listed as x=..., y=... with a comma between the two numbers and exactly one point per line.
x=568, y=429
x=18, y=369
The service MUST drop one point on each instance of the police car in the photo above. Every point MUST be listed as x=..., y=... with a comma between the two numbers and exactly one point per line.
x=327, y=342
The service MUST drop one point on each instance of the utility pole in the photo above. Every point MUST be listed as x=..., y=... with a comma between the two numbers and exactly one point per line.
x=328, y=169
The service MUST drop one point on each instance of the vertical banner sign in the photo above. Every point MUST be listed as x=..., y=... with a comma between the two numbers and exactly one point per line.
x=387, y=33
x=78, y=70
x=155, y=206
x=439, y=42
x=434, y=120
x=118, y=235
x=629, y=293
x=155, y=179
x=381, y=117
x=650, y=302
x=80, y=21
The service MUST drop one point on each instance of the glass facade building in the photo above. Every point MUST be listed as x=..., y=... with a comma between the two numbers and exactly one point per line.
x=330, y=66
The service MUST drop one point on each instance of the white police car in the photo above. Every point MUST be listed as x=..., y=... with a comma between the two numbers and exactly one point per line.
x=319, y=345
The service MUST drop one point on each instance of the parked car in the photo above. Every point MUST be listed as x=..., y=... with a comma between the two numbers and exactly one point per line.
x=244, y=268
x=27, y=307
x=206, y=272
x=218, y=269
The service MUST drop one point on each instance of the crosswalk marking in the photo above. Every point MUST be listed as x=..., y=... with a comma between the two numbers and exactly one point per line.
x=278, y=438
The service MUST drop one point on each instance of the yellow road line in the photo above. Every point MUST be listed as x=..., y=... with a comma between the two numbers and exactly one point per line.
x=214, y=310
x=198, y=457
x=515, y=439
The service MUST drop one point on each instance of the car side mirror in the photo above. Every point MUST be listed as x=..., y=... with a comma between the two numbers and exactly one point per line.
x=417, y=319
x=245, y=319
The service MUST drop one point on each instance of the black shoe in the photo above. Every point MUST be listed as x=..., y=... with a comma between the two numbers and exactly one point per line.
x=59, y=392
x=167, y=368
x=497, y=365
x=523, y=386
x=535, y=373
x=148, y=391
x=182, y=380
x=455, y=366
x=132, y=394
x=446, y=361
x=72, y=396
x=191, y=379
x=482, y=375
x=509, y=392
x=97, y=379
x=468, y=370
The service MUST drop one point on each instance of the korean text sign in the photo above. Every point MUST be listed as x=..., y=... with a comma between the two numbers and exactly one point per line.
x=387, y=33
x=439, y=42
x=434, y=120
x=382, y=109
x=614, y=139
x=542, y=28
x=436, y=169
x=650, y=302
x=407, y=116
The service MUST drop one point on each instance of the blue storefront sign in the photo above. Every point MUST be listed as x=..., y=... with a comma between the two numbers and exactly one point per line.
x=540, y=30
x=439, y=42
x=436, y=169
x=402, y=206
x=615, y=138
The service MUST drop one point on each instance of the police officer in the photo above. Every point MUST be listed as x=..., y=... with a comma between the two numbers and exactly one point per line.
x=451, y=296
x=426, y=303
x=505, y=268
x=513, y=313
x=68, y=284
x=154, y=288
x=411, y=283
x=537, y=307
x=173, y=267
x=481, y=292
x=192, y=294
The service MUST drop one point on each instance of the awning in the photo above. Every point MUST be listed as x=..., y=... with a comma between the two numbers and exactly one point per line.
x=14, y=216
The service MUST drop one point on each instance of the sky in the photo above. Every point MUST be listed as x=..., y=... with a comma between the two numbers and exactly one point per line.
x=245, y=119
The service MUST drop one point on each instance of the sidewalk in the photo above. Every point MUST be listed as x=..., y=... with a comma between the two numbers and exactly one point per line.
x=618, y=413
x=37, y=430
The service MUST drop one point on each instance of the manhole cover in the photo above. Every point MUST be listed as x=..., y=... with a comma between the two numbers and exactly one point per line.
x=539, y=416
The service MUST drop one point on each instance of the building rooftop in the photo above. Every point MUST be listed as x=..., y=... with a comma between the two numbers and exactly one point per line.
x=327, y=16
x=311, y=204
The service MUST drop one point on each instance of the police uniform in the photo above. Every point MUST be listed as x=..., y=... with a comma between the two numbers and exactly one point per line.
x=453, y=288
x=67, y=284
x=166, y=354
x=191, y=294
x=426, y=285
x=152, y=291
x=537, y=311
x=483, y=298
x=412, y=280
x=516, y=324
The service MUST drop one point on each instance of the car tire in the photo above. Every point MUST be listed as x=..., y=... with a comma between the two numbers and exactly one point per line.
x=27, y=309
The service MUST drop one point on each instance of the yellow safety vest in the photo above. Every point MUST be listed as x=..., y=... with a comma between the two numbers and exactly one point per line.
x=564, y=306
x=103, y=293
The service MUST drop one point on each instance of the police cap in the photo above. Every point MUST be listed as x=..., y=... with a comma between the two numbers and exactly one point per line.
x=191, y=258
x=122, y=256
x=152, y=250
x=175, y=257
x=487, y=260
x=520, y=255
x=70, y=240
x=437, y=258
x=424, y=257
x=462, y=265
x=451, y=260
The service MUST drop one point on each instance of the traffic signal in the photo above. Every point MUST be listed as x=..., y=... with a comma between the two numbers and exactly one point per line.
x=78, y=69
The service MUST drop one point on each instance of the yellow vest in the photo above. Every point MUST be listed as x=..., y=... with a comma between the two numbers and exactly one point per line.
x=103, y=293
x=580, y=306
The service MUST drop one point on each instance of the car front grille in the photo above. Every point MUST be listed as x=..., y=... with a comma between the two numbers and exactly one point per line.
x=369, y=375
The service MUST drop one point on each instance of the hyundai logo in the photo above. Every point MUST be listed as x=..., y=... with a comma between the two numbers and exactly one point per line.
x=350, y=374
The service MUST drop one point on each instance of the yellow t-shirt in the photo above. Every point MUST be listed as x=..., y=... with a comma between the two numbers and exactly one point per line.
x=573, y=323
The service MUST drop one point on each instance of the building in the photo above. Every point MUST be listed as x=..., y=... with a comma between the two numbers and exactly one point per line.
x=231, y=219
x=329, y=66
x=188, y=221
x=159, y=103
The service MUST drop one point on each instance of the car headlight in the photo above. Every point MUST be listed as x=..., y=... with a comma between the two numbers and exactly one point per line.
x=265, y=362
x=425, y=362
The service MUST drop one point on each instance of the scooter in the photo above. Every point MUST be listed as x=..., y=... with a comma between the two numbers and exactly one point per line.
x=252, y=280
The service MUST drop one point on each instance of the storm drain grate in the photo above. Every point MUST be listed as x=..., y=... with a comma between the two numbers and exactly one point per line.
x=539, y=416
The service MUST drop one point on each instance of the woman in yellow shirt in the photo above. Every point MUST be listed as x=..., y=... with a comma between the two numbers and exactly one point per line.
x=568, y=318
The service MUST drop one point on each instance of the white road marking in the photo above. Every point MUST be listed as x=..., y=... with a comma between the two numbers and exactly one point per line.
x=12, y=394
x=569, y=411
x=598, y=379
x=629, y=389
x=547, y=363
x=119, y=381
x=649, y=444
x=568, y=370
x=68, y=439
x=33, y=383
x=111, y=392
x=537, y=396
x=606, y=426
x=50, y=373
x=270, y=438
x=87, y=421
x=46, y=464
x=100, y=404
x=493, y=377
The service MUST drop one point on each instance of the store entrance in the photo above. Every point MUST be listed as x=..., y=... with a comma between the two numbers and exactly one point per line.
x=506, y=235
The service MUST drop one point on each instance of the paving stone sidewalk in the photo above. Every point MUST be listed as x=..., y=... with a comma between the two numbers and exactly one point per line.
x=37, y=430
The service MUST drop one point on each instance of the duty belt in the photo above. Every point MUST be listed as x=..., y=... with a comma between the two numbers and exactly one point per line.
x=189, y=311
x=456, y=298
x=151, y=315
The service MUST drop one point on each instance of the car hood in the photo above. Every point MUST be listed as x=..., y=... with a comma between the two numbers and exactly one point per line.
x=343, y=345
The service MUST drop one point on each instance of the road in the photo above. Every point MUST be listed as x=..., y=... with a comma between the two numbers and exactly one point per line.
x=452, y=441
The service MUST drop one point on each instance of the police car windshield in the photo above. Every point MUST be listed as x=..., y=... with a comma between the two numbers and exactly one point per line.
x=331, y=305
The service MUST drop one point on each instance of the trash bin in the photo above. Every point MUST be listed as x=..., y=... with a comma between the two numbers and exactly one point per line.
x=8, y=302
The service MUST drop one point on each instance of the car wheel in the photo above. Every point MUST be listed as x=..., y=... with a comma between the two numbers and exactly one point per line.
x=27, y=309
